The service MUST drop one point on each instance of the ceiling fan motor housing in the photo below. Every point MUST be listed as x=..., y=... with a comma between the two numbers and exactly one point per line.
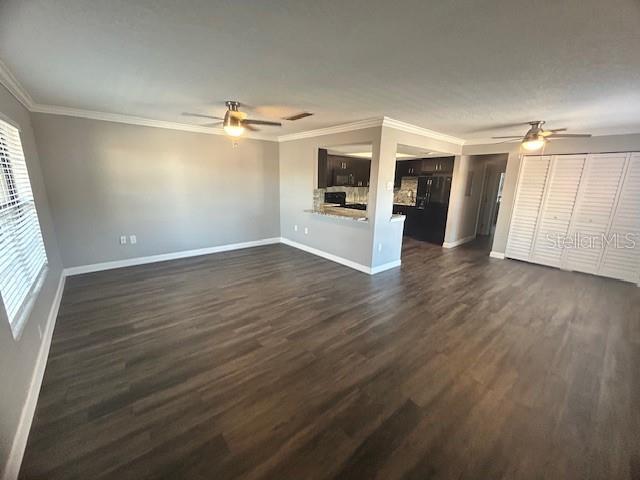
x=232, y=105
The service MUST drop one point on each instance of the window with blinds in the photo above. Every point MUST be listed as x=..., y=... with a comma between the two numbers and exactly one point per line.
x=22, y=255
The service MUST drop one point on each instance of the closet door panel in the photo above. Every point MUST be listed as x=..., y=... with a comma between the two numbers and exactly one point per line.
x=526, y=209
x=593, y=211
x=621, y=258
x=557, y=208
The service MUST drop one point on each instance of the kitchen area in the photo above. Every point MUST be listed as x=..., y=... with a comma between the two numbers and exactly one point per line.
x=422, y=188
x=422, y=184
x=343, y=183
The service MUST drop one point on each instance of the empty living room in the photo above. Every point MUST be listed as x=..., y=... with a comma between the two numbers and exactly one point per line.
x=299, y=240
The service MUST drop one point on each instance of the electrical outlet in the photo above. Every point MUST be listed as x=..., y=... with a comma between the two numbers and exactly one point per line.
x=306, y=230
x=123, y=239
x=295, y=228
x=133, y=239
x=379, y=247
x=389, y=186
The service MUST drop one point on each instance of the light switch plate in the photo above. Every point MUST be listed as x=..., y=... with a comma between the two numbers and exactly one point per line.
x=123, y=240
x=133, y=239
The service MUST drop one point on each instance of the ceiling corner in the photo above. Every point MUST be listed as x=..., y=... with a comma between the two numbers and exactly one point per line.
x=16, y=89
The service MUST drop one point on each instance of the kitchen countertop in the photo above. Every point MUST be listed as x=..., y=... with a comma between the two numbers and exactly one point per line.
x=341, y=212
x=331, y=210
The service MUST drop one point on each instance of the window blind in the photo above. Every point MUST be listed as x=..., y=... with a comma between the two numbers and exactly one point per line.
x=22, y=254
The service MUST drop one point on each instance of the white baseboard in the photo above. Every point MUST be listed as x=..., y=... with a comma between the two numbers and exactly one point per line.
x=459, y=242
x=497, y=255
x=19, y=445
x=129, y=262
x=341, y=260
x=385, y=266
x=328, y=256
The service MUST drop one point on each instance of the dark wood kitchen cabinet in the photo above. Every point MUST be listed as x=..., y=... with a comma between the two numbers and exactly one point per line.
x=408, y=212
x=437, y=165
x=361, y=171
x=323, y=168
x=407, y=168
x=340, y=171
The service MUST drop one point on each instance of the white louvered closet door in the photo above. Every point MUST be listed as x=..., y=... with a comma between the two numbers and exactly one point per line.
x=557, y=208
x=621, y=257
x=529, y=194
x=592, y=214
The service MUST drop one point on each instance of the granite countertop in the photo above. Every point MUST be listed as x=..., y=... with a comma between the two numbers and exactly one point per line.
x=330, y=210
x=341, y=212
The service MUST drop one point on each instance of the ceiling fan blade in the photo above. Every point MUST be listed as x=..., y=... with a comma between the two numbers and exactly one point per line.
x=509, y=136
x=548, y=133
x=211, y=125
x=498, y=126
x=200, y=115
x=250, y=128
x=297, y=116
x=508, y=141
x=261, y=122
x=571, y=135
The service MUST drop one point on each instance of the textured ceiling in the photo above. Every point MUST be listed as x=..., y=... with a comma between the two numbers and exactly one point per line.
x=461, y=67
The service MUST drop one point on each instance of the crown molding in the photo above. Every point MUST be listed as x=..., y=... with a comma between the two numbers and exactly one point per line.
x=20, y=93
x=345, y=127
x=374, y=122
x=133, y=120
x=424, y=132
x=15, y=87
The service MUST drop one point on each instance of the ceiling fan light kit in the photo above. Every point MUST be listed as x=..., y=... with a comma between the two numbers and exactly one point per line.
x=537, y=137
x=236, y=122
x=533, y=142
x=232, y=123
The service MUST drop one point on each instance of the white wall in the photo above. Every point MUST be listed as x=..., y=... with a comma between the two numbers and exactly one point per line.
x=18, y=358
x=462, y=208
x=462, y=219
x=174, y=190
x=489, y=194
x=343, y=238
x=386, y=233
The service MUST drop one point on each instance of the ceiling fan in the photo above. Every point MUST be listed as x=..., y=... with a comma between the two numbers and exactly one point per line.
x=537, y=137
x=234, y=122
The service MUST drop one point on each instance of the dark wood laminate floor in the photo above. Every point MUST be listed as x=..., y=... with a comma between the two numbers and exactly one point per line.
x=270, y=363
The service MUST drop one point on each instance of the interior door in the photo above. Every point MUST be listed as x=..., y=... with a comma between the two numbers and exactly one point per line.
x=595, y=203
x=529, y=194
x=557, y=207
x=621, y=258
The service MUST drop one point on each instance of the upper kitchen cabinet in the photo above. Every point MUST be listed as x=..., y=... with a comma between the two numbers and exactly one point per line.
x=437, y=165
x=407, y=168
x=342, y=171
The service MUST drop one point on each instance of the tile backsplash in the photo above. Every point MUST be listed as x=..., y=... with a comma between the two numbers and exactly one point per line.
x=406, y=194
x=354, y=194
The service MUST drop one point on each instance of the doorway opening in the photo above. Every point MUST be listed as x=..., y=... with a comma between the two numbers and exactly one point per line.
x=422, y=187
x=493, y=183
